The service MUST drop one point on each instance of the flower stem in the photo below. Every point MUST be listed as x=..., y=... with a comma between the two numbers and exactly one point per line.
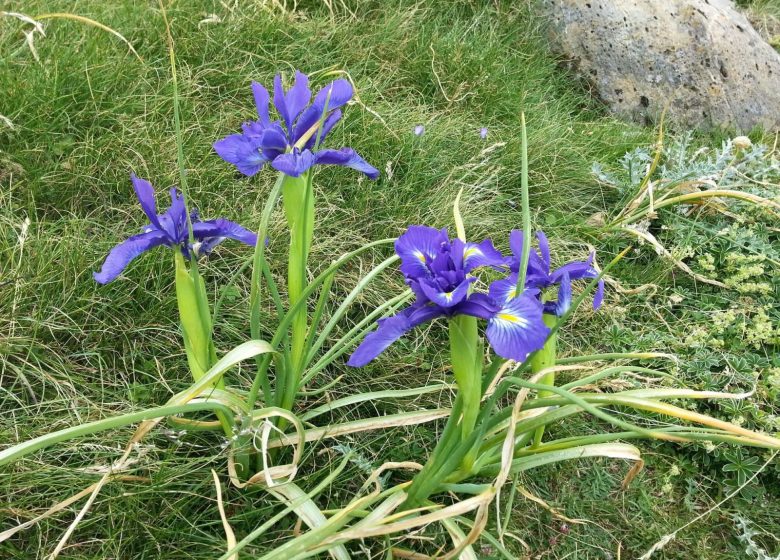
x=544, y=359
x=455, y=449
x=298, y=199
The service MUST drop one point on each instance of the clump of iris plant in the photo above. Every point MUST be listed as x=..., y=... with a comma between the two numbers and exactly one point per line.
x=290, y=144
x=189, y=237
x=520, y=314
x=172, y=229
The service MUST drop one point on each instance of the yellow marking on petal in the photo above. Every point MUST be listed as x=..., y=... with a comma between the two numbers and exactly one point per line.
x=508, y=317
x=470, y=252
x=448, y=296
x=420, y=256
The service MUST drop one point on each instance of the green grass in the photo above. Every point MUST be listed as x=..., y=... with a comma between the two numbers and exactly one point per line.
x=71, y=351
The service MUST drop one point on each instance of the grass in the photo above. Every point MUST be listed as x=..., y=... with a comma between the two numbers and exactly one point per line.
x=90, y=111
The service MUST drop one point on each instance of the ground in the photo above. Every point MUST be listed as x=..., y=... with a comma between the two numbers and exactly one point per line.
x=89, y=111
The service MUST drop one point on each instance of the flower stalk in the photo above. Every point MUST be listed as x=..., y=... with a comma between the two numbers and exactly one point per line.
x=542, y=360
x=298, y=201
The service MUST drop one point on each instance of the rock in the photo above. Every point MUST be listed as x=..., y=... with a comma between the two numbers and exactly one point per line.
x=701, y=57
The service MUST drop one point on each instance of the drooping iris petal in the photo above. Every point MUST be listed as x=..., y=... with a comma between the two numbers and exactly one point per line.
x=561, y=305
x=579, y=270
x=476, y=255
x=390, y=330
x=418, y=247
x=294, y=163
x=346, y=157
x=212, y=232
x=242, y=152
x=262, y=99
x=121, y=255
x=598, y=297
x=480, y=306
x=517, y=329
x=564, y=295
x=446, y=298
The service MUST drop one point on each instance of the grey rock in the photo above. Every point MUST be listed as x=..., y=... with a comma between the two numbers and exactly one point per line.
x=701, y=58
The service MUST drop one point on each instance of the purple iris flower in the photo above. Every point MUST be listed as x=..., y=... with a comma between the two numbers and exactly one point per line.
x=438, y=270
x=169, y=228
x=287, y=143
x=539, y=276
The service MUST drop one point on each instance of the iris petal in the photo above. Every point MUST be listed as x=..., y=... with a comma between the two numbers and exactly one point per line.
x=273, y=138
x=562, y=304
x=517, y=329
x=476, y=255
x=121, y=255
x=446, y=299
x=294, y=101
x=390, y=330
x=294, y=163
x=479, y=305
x=579, y=270
x=252, y=129
x=212, y=232
x=417, y=247
x=174, y=221
x=598, y=297
x=327, y=126
x=262, y=99
x=242, y=152
x=145, y=194
x=544, y=248
x=505, y=289
x=346, y=157
x=340, y=92
x=298, y=97
x=538, y=268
